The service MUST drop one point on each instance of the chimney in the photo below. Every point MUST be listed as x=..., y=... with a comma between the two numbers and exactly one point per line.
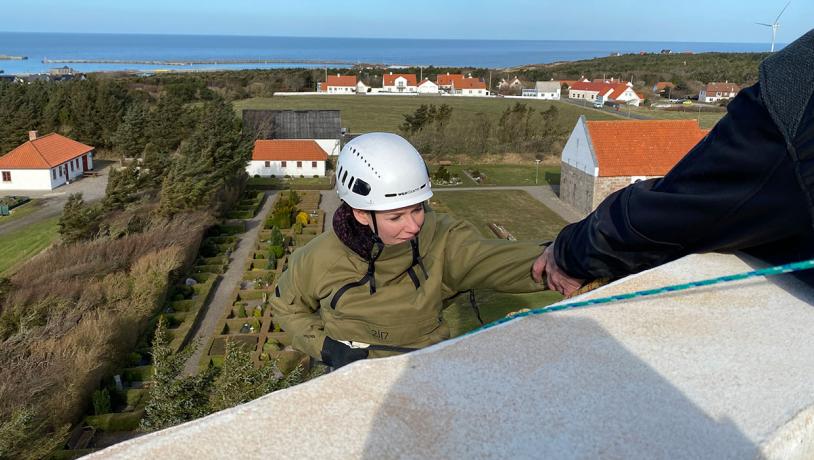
x=32, y=135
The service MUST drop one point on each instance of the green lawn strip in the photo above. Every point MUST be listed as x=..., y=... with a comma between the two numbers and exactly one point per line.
x=522, y=215
x=19, y=246
x=493, y=305
x=504, y=174
x=707, y=119
x=22, y=211
x=361, y=114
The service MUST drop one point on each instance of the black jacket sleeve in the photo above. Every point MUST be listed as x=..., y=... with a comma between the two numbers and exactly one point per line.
x=736, y=189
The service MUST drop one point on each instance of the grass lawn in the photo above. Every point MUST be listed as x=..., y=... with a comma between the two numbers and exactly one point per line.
x=493, y=305
x=522, y=215
x=22, y=211
x=361, y=114
x=706, y=119
x=505, y=174
x=23, y=244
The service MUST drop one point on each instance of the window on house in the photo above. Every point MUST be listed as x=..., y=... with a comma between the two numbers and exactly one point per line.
x=299, y=164
x=53, y=174
x=282, y=164
x=6, y=176
x=268, y=164
x=313, y=164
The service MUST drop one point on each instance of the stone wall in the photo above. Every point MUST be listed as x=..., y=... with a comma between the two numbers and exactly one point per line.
x=607, y=185
x=576, y=188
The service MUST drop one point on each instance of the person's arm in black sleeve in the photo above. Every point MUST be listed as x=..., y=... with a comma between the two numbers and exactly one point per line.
x=734, y=190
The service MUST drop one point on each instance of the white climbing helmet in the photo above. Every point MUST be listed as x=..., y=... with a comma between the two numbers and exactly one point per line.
x=380, y=172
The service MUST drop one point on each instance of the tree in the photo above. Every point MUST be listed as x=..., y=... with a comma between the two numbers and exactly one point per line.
x=78, y=221
x=131, y=135
x=239, y=381
x=174, y=398
x=122, y=187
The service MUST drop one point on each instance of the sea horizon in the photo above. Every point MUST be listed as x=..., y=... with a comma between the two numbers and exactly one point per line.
x=312, y=52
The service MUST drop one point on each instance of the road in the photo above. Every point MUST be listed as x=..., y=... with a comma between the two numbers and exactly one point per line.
x=91, y=188
x=619, y=113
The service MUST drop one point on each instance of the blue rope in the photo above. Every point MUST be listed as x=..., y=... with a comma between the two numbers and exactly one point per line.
x=771, y=271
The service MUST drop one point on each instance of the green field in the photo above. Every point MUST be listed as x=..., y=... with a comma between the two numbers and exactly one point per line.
x=22, y=211
x=25, y=243
x=361, y=114
x=506, y=174
x=706, y=119
x=523, y=216
x=493, y=305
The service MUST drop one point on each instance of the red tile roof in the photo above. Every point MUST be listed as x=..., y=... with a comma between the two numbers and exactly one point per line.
x=469, y=83
x=44, y=152
x=664, y=85
x=446, y=80
x=616, y=89
x=425, y=81
x=341, y=80
x=642, y=148
x=390, y=79
x=287, y=150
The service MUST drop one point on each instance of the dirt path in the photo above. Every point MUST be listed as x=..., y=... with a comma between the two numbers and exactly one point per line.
x=222, y=298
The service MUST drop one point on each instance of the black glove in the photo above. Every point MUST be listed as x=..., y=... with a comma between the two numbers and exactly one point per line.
x=337, y=354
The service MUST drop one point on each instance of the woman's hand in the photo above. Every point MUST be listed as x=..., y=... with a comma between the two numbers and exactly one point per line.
x=545, y=268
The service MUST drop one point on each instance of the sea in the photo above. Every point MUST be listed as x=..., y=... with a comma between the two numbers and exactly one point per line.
x=175, y=52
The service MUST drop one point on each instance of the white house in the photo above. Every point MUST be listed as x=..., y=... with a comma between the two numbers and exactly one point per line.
x=619, y=92
x=544, y=90
x=287, y=157
x=469, y=87
x=340, y=84
x=361, y=88
x=399, y=83
x=428, y=87
x=44, y=163
x=715, y=92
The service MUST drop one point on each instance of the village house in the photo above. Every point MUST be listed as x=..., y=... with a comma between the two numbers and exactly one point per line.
x=340, y=84
x=601, y=157
x=428, y=87
x=287, y=157
x=445, y=82
x=399, y=83
x=604, y=92
x=320, y=126
x=714, y=92
x=469, y=87
x=362, y=88
x=544, y=90
x=44, y=163
x=514, y=86
x=663, y=87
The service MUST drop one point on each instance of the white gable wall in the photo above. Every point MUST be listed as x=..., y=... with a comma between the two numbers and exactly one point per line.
x=330, y=146
x=27, y=179
x=578, y=151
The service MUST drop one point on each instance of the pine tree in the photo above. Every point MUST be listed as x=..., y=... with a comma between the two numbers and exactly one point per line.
x=239, y=381
x=130, y=137
x=174, y=398
x=78, y=221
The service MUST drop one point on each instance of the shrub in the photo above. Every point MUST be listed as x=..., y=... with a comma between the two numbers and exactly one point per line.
x=272, y=263
x=297, y=228
x=101, y=401
x=241, y=311
x=277, y=251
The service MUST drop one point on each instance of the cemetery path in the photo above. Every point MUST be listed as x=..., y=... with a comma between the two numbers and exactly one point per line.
x=222, y=298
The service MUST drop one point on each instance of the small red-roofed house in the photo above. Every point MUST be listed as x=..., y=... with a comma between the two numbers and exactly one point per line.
x=469, y=87
x=714, y=92
x=444, y=82
x=399, y=83
x=340, y=84
x=44, y=163
x=287, y=157
x=601, y=157
x=603, y=92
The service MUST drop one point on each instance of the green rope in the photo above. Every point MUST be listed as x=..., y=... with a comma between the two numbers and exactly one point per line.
x=771, y=271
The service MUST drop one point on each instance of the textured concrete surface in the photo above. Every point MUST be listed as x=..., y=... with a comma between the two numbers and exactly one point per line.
x=720, y=372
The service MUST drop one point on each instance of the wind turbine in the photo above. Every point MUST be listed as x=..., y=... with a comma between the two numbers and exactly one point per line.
x=775, y=25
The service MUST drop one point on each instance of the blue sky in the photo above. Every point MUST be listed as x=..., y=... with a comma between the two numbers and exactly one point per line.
x=687, y=20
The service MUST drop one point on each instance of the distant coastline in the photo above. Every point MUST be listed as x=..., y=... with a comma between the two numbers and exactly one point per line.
x=123, y=52
x=4, y=57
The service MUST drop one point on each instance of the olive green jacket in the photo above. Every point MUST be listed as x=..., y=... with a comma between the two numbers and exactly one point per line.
x=398, y=314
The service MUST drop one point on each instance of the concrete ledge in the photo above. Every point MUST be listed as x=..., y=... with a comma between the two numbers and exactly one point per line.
x=719, y=372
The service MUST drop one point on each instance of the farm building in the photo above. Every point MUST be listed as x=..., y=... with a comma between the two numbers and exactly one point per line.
x=286, y=157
